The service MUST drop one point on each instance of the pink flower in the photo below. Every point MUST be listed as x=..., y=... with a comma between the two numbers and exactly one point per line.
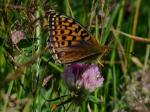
x=83, y=77
x=17, y=36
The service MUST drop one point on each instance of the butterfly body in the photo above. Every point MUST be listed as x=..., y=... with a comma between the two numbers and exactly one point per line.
x=69, y=41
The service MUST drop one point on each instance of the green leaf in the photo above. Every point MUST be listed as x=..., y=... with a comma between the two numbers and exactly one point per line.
x=93, y=99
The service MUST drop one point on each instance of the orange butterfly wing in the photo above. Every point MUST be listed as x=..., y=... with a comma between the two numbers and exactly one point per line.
x=69, y=41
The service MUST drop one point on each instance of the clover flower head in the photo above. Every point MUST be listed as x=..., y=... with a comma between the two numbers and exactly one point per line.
x=83, y=76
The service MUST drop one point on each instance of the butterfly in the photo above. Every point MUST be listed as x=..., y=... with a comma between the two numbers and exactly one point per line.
x=70, y=42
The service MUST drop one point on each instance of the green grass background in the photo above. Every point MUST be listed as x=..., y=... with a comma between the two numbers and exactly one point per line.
x=126, y=66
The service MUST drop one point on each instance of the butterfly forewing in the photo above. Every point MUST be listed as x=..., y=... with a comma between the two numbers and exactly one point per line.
x=69, y=41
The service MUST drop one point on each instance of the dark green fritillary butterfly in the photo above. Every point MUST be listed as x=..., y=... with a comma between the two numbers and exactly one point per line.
x=69, y=41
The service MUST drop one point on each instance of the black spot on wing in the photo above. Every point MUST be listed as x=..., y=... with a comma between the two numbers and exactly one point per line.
x=74, y=38
x=70, y=32
x=69, y=43
x=64, y=37
x=60, y=23
x=78, y=29
x=62, y=31
x=62, y=43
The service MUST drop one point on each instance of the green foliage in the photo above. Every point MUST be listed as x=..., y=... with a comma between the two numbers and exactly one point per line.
x=26, y=65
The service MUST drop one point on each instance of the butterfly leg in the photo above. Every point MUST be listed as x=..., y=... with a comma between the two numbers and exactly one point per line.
x=100, y=63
